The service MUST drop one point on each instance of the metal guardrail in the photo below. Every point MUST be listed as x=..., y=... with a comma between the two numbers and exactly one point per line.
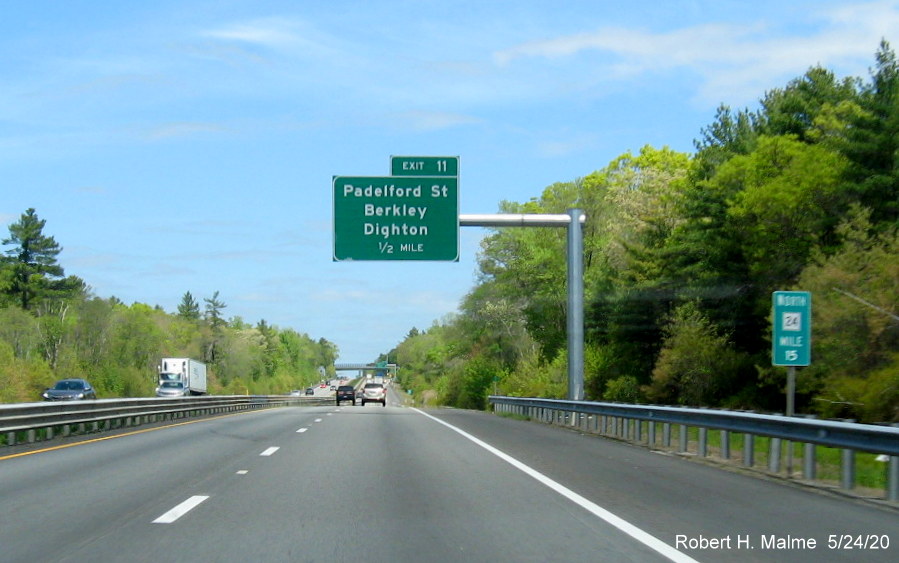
x=37, y=422
x=628, y=422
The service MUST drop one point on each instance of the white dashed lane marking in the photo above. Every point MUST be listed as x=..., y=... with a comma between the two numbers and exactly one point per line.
x=180, y=510
x=270, y=451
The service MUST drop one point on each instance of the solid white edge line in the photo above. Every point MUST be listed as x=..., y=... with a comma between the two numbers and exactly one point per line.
x=270, y=451
x=180, y=510
x=638, y=534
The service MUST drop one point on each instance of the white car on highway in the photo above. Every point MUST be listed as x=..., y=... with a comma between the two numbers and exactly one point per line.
x=374, y=392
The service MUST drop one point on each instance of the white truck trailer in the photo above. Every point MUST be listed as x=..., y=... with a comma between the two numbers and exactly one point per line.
x=181, y=377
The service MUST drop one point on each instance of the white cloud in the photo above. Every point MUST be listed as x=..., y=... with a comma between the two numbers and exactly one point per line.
x=269, y=32
x=868, y=16
x=732, y=61
x=683, y=46
x=289, y=36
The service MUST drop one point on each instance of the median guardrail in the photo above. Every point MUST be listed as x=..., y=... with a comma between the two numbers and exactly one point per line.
x=37, y=422
x=655, y=425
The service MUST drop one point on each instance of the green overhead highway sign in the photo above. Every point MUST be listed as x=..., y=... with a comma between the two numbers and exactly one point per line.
x=792, y=342
x=396, y=218
x=424, y=165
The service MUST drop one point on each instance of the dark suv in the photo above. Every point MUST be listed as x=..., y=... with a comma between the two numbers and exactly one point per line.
x=346, y=393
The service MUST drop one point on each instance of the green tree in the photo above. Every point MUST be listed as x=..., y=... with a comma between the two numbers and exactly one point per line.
x=856, y=325
x=786, y=199
x=136, y=336
x=696, y=365
x=20, y=330
x=730, y=134
x=495, y=325
x=526, y=267
x=22, y=379
x=32, y=260
x=473, y=384
x=637, y=210
x=874, y=143
x=327, y=355
x=271, y=351
x=214, y=307
x=189, y=309
x=624, y=389
x=93, y=330
x=216, y=323
x=240, y=356
x=54, y=324
x=793, y=110
x=533, y=376
x=749, y=229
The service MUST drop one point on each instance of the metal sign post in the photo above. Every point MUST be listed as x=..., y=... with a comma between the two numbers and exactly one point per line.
x=791, y=343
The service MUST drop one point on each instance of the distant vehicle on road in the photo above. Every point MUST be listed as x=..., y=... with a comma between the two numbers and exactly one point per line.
x=295, y=393
x=181, y=377
x=69, y=390
x=310, y=391
x=346, y=393
x=374, y=392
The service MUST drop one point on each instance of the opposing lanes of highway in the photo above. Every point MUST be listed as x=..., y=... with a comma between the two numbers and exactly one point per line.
x=397, y=484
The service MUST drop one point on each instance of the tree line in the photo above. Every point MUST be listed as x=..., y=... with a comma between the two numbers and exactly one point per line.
x=53, y=327
x=682, y=253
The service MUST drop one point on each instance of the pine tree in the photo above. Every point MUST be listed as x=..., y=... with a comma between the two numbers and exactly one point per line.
x=189, y=309
x=214, y=312
x=214, y=317
x=30, y=265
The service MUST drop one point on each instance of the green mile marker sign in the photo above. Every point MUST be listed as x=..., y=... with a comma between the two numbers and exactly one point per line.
x=792, y=324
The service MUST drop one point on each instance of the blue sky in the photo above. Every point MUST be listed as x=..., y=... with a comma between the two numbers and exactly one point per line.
x=189, y=145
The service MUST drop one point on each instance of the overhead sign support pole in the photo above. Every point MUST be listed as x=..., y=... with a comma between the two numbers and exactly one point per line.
x=575, y=306
x=574, y=220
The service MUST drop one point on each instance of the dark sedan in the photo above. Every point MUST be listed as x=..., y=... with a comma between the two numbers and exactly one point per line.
x=70, y=390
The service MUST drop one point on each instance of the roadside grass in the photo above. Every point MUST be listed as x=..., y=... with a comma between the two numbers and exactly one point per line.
x=513, y=416
x=869, y=472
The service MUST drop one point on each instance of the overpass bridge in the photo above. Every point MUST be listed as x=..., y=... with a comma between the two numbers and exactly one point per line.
x=361, y=368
